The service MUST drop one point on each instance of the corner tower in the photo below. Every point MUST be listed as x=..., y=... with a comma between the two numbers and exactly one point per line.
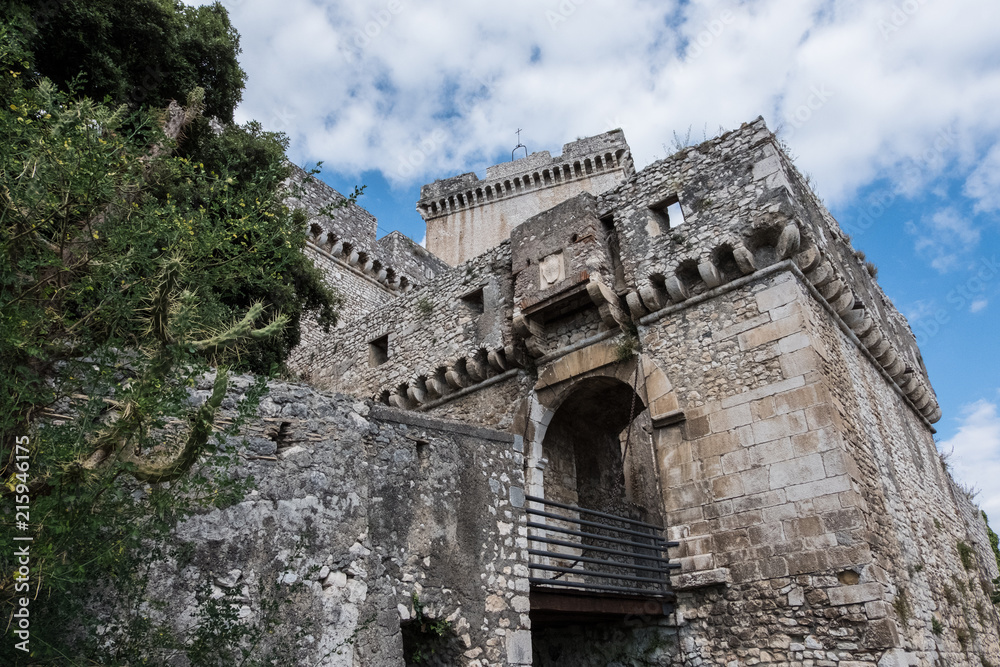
x=466, y=216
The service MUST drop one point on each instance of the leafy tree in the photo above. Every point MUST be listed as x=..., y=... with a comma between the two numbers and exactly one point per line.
x=139, y=248
x=136, y=52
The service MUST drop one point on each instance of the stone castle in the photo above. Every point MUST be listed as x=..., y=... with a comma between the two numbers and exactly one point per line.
x=608, y=417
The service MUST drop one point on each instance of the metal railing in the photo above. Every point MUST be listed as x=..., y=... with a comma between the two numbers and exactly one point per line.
x=602, y=552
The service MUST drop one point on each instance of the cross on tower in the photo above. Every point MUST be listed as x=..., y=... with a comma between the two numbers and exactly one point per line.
x=519, y=145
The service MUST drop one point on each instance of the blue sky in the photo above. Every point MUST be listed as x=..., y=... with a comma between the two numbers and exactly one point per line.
x=889, y=106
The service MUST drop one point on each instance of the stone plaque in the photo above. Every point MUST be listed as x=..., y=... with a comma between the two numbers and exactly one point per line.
x=551, y=270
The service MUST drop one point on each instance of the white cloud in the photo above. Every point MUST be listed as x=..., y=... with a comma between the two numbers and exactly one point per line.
x=976, y=458
x=978, y=305
x=984, y=182
x=362, y=85
x=944, y=238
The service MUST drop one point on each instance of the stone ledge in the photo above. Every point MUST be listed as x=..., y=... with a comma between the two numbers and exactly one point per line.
x=691, y=580
x=402, y=417
x=668, y=418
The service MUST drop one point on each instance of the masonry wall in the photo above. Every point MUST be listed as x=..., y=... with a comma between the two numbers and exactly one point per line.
x=466, y=216
x=807, y=494
x=360, y=293
x=918, y=521
x=357, y=513
x=739, y=193
x=451, y=325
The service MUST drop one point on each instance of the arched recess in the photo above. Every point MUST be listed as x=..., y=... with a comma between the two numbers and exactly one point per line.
x=576, y=428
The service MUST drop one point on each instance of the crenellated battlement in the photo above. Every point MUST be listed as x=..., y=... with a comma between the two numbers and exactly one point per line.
x=466, y=216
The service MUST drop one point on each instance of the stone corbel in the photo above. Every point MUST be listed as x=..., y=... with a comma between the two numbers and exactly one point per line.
x=607, y=304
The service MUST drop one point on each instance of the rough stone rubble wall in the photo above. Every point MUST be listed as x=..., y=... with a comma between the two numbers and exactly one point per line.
x=743, y=203
x=350, y=222
x=362, y=509
x=360, y=295
x=429, y=329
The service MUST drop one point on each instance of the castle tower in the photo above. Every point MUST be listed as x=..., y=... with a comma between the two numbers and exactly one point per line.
x=466, y=216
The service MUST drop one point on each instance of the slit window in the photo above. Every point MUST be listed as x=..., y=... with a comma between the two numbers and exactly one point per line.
x=378, y=351
x=668, y=213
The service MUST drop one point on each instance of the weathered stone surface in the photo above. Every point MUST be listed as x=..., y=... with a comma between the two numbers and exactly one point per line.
x=768, y=441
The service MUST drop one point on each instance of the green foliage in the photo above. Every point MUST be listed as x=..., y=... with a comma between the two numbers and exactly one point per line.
x=425, y=307
x=936, y=627
x=628, y=346
x=902, y=605
x=994, y=539
x=968, y=556
x=130, y=266
x=136, y=52
x=424, y=638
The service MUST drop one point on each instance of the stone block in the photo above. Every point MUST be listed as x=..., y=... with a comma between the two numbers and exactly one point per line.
x=519, y=647
x=680, y=474
x=820, y=487
x=697, y=563
x=690, y=580
x=882, y=633
x=836, y=463
x=779, y=512
x=858, y=594
x=696, y=427
x=756, y=480
x=657, y=383
x=762, y=409
x=778, y=295
x=663, y=405
x=799, y=363
x=797, y=471
x=815, y=441
x=772, y=331
x=697, y=546
x=897, y=657
x=729, y=486
x=745, y=325
x=731, y=540
x=772, y=452
x=759, y=501
x=761, y=392
x=773, y=568
x=780, y=426
x=802, y=527
x=766, y=534
x=718, y=444
x=676, y=455
x=730, y=418
x=741, y=520
x=818, y=416
x=796, y=399
x=737, y=461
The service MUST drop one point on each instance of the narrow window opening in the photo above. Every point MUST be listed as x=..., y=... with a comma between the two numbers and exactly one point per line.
x=378, y=351
x=614, y=251
x=474, y=301
x=668, y=213
x=423, y=450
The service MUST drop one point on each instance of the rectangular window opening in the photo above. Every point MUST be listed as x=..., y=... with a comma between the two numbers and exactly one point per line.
x=474, y=301
x=668, y=213
x=378, y=351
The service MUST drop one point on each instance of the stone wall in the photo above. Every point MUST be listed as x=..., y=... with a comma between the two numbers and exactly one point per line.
x=784, y=430
x=807, y=493
x=744, y=208
x=459, y=325
x=358, y=513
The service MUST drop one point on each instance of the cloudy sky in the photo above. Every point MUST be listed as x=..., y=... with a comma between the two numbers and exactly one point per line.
x=890, y=106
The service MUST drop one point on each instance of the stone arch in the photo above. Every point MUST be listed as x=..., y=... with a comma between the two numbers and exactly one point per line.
x=590, y=382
